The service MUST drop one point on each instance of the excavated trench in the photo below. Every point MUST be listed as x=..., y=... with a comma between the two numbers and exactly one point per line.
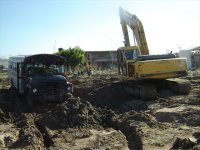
x=132, y=133
x=29, y=136
x=45, y=134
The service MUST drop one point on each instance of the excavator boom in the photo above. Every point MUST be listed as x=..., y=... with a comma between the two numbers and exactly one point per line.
x=138, y=31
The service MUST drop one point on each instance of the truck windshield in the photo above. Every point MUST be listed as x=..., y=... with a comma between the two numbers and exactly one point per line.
x=44, y=69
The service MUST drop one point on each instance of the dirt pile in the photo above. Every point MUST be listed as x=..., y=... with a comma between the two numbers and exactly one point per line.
x=183, y=144
x=71, y=113
x=187, y=143
x=83, y=86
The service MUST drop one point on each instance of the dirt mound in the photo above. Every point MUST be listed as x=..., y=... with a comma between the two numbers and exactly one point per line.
x=85, y=85
x=100, y=90
x=71, y=113
x=183, y=144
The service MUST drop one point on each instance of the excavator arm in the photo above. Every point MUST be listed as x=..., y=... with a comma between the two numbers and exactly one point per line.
x=136, y=26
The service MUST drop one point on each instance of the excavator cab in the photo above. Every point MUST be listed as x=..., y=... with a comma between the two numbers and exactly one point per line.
x=126, y=55
x=132, y=54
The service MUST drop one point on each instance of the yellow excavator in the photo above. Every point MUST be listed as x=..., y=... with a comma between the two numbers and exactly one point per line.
x=148, y=73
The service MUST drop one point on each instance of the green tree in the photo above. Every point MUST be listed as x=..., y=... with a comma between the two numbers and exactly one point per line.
x=74, y=56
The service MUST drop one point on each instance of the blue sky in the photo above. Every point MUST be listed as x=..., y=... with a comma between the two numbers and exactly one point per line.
x=42, y=26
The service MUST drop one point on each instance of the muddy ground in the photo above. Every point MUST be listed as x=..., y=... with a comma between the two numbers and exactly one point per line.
x=100, y=115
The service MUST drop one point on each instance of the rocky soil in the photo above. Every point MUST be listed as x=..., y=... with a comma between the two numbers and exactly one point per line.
x=99, y=115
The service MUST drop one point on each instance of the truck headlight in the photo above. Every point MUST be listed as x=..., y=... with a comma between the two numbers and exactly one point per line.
x=69, y=89
x=34, y=90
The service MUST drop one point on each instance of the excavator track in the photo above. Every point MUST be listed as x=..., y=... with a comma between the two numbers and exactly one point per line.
x=145, y=91
x=179, y=86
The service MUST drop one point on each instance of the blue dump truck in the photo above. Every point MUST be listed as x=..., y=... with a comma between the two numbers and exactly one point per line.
x=39, y=77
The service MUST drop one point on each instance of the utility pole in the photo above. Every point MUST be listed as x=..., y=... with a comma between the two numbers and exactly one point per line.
x=54, y=47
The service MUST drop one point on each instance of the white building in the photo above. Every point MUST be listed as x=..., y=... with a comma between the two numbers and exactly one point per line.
x=190, y=54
